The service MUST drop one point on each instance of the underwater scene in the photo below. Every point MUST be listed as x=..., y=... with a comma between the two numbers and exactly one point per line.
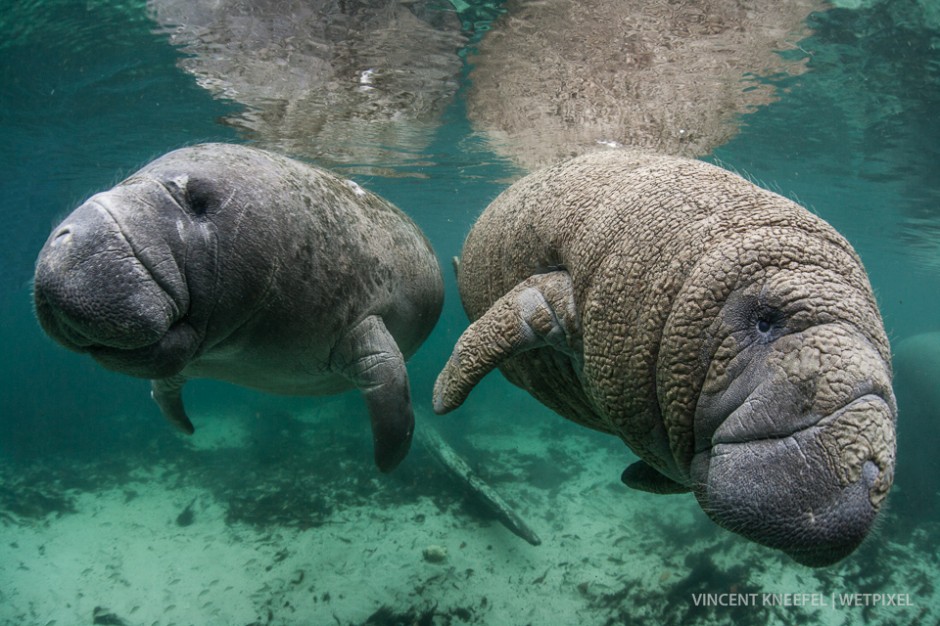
x=675, y=492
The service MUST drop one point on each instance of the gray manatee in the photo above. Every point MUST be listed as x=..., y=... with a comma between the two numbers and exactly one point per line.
x=228, y=262
x=728, y=336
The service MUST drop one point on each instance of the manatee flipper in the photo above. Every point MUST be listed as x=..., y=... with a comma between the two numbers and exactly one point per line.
x=369, y=357
x=643, y=477
x=538, y=312
x=167, y=393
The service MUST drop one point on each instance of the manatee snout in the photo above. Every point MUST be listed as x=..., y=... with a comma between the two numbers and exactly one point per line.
x=94, y=293
x=803, y=462
x=761, y=490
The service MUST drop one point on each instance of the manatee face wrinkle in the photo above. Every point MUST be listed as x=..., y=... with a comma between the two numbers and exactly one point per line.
x=749, y=330
x=768, y=313
x=161, y=269
x=736, y=430
x=767, y=398
x=805, y=460
x=154, y=256
x=193, y=195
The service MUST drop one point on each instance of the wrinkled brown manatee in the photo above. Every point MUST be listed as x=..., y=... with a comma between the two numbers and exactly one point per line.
x=728, y=336
x=228, y=262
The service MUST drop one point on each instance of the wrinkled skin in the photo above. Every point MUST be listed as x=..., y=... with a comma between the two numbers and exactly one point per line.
x=228, y=262
x=729, y=337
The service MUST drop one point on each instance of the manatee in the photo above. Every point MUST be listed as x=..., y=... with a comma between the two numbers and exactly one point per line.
x=727, y=335
x=232, y=263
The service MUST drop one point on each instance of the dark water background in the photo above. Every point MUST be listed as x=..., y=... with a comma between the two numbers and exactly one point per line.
x=88, y=93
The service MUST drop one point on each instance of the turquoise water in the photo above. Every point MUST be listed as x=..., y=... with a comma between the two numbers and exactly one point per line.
x=93, y=90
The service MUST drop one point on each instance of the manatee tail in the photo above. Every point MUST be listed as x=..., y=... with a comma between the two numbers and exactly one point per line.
x=538, y=312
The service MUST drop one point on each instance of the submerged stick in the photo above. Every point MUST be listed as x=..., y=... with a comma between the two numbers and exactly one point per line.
x=459, y=468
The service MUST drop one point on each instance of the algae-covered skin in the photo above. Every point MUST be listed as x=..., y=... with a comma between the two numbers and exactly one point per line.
x=728, y=336
x=554, y=78
x=233, y=263
x=361, y=83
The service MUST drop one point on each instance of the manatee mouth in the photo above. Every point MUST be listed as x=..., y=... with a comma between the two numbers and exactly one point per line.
x=143, y=355
x=813, y=492
x=162, y=359
x=741, y=427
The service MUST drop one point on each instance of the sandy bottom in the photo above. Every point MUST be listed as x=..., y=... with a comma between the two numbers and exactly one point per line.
x=289, y=524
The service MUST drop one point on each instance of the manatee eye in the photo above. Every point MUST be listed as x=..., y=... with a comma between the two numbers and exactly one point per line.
x=753, y=319
x=199, y=195
x=192, y=194
x=768, y=322
x=198, y=203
